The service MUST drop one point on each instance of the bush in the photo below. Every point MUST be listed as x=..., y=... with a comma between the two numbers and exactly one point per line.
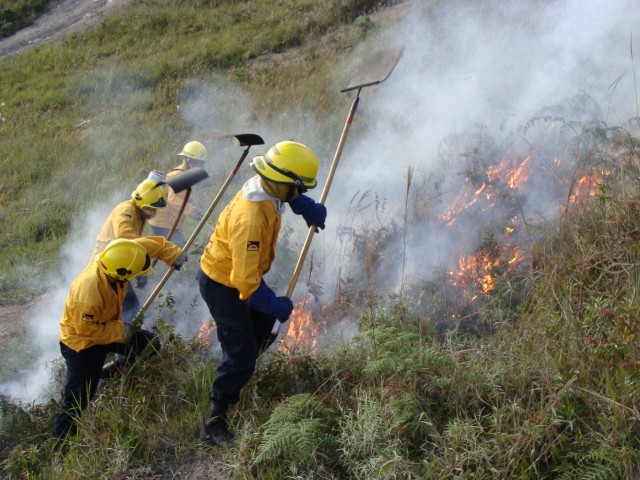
x=19, y=14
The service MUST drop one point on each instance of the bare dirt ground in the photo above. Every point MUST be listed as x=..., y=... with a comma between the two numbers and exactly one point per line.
x=61, y=18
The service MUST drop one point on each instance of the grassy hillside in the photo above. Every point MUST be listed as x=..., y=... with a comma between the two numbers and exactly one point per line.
x=549, y=390
x=84, y=117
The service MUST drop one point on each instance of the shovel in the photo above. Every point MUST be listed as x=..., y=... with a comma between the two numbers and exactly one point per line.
x=182, y=181
x=374, y=69
x=245, y=140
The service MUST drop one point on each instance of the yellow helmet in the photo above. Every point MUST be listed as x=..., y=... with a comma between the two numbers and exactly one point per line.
x=149, y=194
x=291, y=163
x=123, y=259
x=195, y=151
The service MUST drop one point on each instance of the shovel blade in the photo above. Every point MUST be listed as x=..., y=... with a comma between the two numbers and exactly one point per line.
x=375, y=68
x=247, y=139
x=186, y=179
x=244, y=139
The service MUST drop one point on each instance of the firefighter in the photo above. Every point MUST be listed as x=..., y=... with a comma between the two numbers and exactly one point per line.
x=127, y=220
x=194, y=154
x=239, y=253
x=91, y=325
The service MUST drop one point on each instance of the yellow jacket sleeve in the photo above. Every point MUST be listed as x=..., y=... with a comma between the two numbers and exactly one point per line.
x=160, y=247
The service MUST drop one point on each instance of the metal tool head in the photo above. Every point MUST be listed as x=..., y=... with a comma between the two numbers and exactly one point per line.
x=186, y=179
x=247, y=139
x=375, y=68
x=244, y=139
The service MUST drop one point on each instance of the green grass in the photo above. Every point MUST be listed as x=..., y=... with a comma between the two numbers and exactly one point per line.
x=548, y=390
x=87, y=115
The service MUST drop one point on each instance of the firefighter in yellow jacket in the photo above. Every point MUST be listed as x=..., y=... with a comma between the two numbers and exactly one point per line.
x=193, y=154
x=239, y=253
x=127, y=220
x=91, y=325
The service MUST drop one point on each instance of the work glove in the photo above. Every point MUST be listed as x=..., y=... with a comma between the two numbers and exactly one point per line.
x=179, y=261
x=264, y=300
x=141, y=281
x=313, y=213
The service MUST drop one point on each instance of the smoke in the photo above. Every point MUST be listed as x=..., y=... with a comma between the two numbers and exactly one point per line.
x=471, y=76
x=36, y=383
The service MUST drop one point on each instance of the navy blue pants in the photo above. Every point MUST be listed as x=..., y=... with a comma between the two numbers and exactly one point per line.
x=243, y=333
x=83, y=374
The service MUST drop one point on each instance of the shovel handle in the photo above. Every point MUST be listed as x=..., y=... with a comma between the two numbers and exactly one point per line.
x=323, y=198
x=137, y=321
x=175, y=224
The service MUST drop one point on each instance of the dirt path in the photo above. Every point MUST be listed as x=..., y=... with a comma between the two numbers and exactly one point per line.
x=61, y=18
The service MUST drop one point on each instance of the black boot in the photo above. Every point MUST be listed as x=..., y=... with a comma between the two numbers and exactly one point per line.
x=216, y=431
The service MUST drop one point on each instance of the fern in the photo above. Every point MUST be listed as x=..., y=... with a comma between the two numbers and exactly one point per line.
x=298, y=431
x=406, y=415
x=296, y=440
x=395, y=351
x=602, y=464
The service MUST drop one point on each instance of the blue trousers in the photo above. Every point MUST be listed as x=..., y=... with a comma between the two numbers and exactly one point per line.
x=83, y=374
x=243, y=333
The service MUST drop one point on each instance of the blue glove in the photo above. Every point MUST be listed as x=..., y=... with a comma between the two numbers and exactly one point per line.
x=264, y=300
x=312, y=212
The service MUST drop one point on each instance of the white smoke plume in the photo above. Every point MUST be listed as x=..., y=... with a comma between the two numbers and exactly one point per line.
x=35, y=384
x=476, y=72
x=472, y=74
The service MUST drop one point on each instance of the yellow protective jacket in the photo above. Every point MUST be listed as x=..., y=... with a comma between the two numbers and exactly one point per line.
x=92, y=313
x=124, y=221
x=166, y=216
x=243, y=245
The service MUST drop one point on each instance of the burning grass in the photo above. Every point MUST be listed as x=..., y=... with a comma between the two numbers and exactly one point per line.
x=516, y=357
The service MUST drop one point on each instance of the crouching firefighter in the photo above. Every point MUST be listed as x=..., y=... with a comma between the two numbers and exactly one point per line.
x=239, y=253
x=91, y=325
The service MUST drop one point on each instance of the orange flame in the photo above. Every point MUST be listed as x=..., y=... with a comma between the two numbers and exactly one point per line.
x=588, y=185
x=302, y=333
x=510, y=173
x=474, y=270
x=204, y=334
x=519, y=175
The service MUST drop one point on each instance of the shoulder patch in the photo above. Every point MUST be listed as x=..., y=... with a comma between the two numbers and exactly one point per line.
x=87, y=317
x=253, y=246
